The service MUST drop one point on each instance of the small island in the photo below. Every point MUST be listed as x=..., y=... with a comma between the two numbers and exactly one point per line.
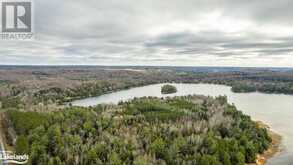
x=168, y=89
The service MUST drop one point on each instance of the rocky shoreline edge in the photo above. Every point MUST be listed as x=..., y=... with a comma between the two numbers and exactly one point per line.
x=273, y=149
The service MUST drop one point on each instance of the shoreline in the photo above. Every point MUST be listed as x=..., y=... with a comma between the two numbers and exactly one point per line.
x=274, y=147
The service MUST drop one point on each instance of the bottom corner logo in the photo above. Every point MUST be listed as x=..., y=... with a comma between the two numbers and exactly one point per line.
x=10, y=157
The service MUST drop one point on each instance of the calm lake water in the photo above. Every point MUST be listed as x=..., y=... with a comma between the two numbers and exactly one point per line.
x=276, y=110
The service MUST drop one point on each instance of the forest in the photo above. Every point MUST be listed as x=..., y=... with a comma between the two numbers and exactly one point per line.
x=180, y=130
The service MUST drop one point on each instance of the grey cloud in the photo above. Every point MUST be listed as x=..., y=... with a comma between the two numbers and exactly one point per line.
x=154, y=32
x=188, y=38
x=220, y=44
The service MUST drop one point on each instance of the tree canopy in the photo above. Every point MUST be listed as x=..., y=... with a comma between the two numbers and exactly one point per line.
x=179, y=130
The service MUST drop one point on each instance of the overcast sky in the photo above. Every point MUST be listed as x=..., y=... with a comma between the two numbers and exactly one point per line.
x=157, y=32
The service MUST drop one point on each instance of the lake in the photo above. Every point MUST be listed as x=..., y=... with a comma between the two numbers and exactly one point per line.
x=276, y=110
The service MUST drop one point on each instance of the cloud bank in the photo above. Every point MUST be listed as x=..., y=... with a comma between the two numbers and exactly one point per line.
x=152, y=32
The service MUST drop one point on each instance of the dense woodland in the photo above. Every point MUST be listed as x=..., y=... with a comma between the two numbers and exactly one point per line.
x=180, y=130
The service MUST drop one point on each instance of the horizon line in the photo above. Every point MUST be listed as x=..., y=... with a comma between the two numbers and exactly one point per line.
x=100, y=65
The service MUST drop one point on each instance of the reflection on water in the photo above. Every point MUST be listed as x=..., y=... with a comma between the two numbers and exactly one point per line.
x=274, y=109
